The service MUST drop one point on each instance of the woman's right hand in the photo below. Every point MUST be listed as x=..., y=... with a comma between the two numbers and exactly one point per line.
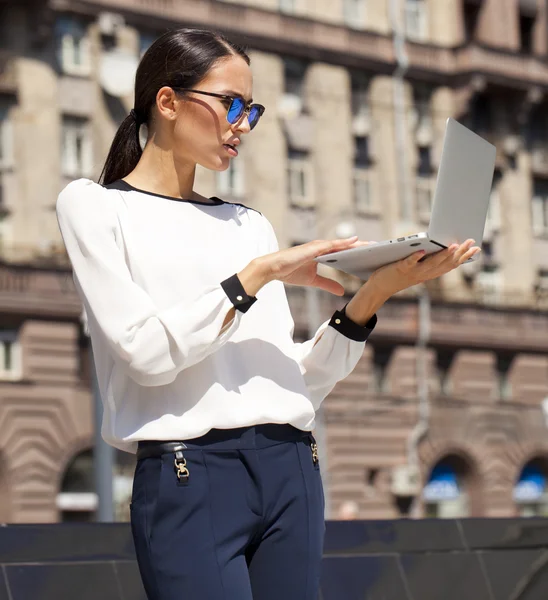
x=295, y=266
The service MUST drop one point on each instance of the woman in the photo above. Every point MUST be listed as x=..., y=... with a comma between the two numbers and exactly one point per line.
x=206, y=386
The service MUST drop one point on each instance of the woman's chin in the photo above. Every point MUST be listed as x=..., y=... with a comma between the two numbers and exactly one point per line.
x=220, y=163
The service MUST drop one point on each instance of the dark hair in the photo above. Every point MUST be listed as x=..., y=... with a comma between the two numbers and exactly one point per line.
x=179, y=58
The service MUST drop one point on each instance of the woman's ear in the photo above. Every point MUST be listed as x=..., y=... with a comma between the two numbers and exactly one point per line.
x=166, y=103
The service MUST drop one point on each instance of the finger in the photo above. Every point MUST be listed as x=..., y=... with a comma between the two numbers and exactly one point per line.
x=329, y=285
x=462, y=249
x=438, y=258
x=469, y=254
x=414, y=258
x=359, y=244
x=320, y=247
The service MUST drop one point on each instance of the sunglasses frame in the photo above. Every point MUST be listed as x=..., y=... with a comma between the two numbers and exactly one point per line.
x=247, y=107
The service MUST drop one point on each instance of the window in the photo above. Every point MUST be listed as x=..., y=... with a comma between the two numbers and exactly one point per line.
x=294, y=75
x=444, y=360
x=363, y=191
x=354, y=13
x=10, y=356
x=77, y=500
x=73, y=47
x=526, y=28
x=232, y=182
x=362, y=177
x=421, y=115
x=503, y=366
x=489, y=284
x=424, y=184
x=361, y=152
x=424, y=192
x=361, y=110
x=493, y=221
x=540, y=207
x=360, y=94
x=444, y=495
x=470, y=17
x=6, y=139
x=424, y=166
x=76, y=148
x=481, y=115
x=381, y=361
x=416, y=23
x=530, y=492
x=299, y=179
x=541, y=289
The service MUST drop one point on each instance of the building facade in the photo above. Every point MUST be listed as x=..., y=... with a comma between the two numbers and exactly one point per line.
x=446, y=412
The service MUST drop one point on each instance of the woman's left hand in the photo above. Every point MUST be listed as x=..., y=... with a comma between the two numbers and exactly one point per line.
x=403, y=274
x=411, y=271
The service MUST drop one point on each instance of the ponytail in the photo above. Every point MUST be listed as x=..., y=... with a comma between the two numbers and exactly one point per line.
x=125, y=151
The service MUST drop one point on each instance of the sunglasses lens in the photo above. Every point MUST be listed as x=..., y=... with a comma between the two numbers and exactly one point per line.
x=254, y=116
x=235, y=111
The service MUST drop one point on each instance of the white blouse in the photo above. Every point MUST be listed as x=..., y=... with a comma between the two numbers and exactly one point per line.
x=148, y=269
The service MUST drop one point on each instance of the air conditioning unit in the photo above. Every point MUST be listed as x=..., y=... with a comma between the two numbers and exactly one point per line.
x=361, y=124
x=511, y=145
x=406, y=481
x=290, y=106
x=109, y=23
x=424, y=135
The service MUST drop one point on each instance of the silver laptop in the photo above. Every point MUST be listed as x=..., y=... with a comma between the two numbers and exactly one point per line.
x=459, y=209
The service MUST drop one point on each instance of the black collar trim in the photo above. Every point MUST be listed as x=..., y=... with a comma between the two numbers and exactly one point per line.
x=124, y=186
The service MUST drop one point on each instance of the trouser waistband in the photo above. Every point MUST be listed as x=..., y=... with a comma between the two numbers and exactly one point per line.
x=241, y=438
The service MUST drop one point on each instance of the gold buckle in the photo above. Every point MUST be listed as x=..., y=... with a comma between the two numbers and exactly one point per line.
x=315, y=457
x=180, y=468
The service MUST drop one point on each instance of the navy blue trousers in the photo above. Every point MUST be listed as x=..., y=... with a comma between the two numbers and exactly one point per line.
x=248, y=524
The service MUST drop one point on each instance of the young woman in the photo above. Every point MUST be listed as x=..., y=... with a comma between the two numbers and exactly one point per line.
x=192, y=338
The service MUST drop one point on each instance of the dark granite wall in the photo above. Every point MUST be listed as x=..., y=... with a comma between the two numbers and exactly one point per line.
x=471, y=559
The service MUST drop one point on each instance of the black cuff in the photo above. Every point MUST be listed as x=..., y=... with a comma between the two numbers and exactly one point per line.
x=236, y=294
x=349, y=328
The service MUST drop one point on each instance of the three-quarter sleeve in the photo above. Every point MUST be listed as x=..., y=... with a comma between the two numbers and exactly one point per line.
x=152, y=346
x=333, y=352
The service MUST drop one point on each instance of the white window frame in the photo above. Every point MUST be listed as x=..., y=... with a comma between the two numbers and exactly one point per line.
x=539, y=215
x=74, y=48
x=424, y=197
x=11, y=338
x=363, y=189
x=416, y=20
x=354, y=13
x=300, y=182
x=73, y=165
x=231, y=182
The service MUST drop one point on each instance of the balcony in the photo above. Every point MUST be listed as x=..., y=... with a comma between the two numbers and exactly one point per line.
x=258, y=28
x=498, y=66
